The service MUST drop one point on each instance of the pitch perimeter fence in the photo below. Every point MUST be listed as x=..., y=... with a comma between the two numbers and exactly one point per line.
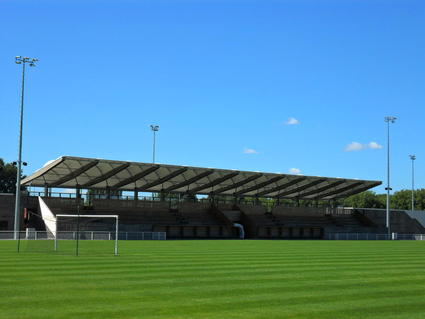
x=84, y=235
x=105, y=235
x=372, y=236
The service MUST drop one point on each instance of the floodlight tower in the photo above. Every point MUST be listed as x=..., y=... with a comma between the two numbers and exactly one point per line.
x=31, y=62
x=413, y=158
x=388, y=120
x=154, y=128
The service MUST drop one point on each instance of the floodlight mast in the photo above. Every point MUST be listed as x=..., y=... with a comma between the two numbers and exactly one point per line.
x=31, y=62
x=154, y=128
x=413, y=158
x=388, y=120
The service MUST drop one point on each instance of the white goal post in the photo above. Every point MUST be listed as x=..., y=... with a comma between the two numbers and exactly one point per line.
x=89, y=216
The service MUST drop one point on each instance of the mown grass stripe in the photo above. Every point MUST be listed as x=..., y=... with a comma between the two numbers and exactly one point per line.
x=216, y=279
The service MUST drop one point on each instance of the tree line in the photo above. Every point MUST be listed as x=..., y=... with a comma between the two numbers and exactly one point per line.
x=7, y=177
x=399, y=200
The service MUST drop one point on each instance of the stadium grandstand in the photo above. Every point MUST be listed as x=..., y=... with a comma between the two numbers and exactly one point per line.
x=196, y=202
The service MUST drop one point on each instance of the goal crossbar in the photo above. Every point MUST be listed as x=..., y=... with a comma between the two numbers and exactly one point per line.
x=90, y=216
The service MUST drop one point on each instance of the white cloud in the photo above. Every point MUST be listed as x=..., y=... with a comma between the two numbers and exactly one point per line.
x=356, y=146
x=292, y=121
x=295, y=171
x=250, y=151
x=374, y=145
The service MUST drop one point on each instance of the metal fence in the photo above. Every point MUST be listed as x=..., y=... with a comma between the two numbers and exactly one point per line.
x=85, y=235
x=104, y=235
x=372, y=236
x=410, y=237
x=175, y=199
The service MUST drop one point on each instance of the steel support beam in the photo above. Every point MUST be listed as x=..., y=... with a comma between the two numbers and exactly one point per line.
x=189, y=181
x=340, y=190
x=260, y=185
x=214, y=182
x=283, y=186
x=135, y=178
x=235, y=185
x=301, y=188
x=105, y=176
x=162, y=180
x=351, y=191
x=74, y=174
x=321, y=189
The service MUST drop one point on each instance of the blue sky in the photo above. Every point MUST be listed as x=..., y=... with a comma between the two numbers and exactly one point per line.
x=221, y=78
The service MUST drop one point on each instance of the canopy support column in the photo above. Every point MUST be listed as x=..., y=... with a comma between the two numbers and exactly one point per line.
x=77, y=194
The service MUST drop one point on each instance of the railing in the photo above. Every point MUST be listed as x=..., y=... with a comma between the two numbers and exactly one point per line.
x=410, y=237
x=372, y=236
x=90, y=196
x=51, y=194
x=173, y=200
x=84, y=235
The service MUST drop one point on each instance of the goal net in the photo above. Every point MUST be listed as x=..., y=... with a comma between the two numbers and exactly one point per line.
x=73, y=233
x=90, y=233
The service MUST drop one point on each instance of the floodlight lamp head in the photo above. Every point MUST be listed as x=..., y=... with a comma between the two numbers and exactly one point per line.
x=412, y=157
x=390, y=119
x=155, y=128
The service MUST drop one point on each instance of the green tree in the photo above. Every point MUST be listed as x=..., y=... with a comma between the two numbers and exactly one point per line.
x=402, y=199
x=7, y=177
x=366, y=199
x=420, y=199
x=399, y=200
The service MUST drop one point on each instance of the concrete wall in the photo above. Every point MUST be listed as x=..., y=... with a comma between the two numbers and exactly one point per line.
x=400, y=220
x=419, y=215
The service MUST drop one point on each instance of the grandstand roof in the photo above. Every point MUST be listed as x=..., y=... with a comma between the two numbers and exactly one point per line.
x=92, y=173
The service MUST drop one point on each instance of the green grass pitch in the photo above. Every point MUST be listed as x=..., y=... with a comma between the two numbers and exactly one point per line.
x=217, y=279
